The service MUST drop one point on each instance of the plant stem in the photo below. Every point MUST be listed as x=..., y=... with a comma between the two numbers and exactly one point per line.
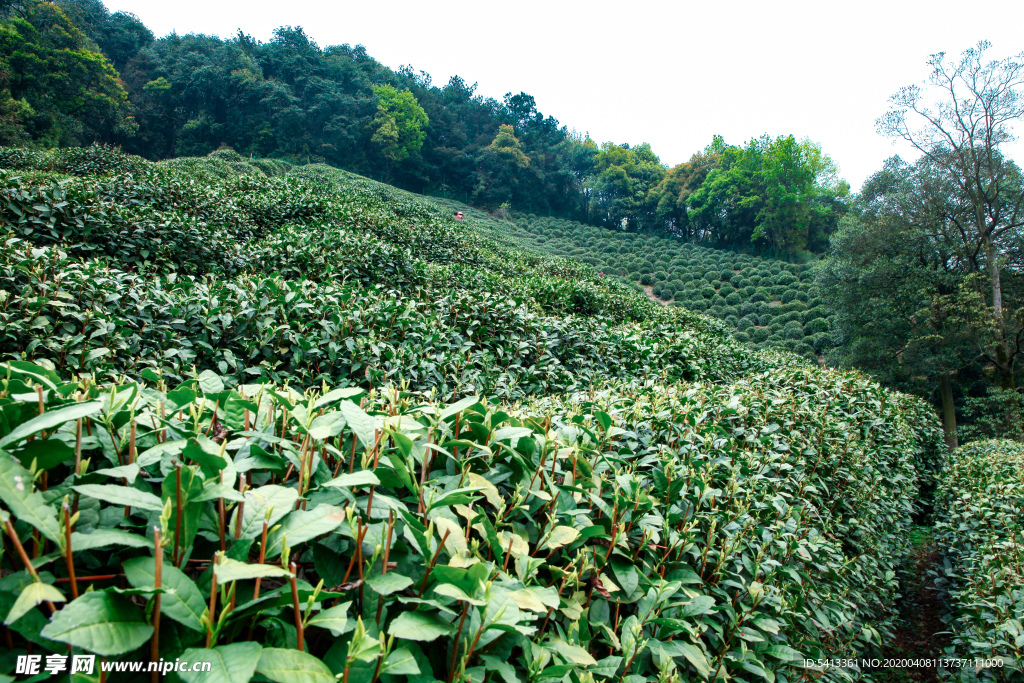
x=154, y=646
x=455, y=646
x=222, y=519
x=24, y=558
x=263, y=549
x=177, y=515
x=213, y=603
x=299, y=630
x=426, y=575
x=384, y=565
x=67, y=551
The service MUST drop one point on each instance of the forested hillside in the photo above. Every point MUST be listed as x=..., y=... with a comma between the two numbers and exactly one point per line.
x=73, y=74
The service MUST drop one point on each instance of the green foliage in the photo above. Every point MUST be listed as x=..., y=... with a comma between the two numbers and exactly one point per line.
x=713, y=271
x=433, y=421
x=319, y=276
x=979, y=528
x=399, y=124
x=567, y=532
x=56, y=88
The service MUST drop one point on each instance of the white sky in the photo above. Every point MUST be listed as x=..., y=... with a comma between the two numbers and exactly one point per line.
x=669, y=73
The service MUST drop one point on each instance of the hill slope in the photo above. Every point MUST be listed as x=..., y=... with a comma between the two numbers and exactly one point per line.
x=494, y=462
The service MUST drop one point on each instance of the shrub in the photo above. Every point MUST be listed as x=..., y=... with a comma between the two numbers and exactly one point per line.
x=734, y=298
x=781, y=486
x=816, y=326
x=646, y=279
x=820, y=342
x=788, y=295
x=978, y=528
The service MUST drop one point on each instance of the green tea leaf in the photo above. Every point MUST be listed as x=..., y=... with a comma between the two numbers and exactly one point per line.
x=232, y=663
x=386, y=584
x=361, y=424
x=28, y=505
x=31, y=595
x=360, y=478
x=233, y=570
x=101, y=622
x=121, y=495
x=334, y=619
x=292, y=666
x=101, y=538
x=185, y=604
x=302, y=525
x=419, y=626
x=51, y=419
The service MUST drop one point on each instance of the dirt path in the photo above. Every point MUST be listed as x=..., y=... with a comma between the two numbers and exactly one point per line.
x=915, y=636
x=649, y=289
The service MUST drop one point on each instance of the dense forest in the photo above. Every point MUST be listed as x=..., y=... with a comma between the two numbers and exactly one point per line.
x=73, y=73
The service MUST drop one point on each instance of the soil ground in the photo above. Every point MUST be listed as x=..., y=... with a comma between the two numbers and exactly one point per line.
x=919, y=634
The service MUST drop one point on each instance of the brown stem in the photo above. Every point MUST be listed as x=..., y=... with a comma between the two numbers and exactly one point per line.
x=154, y=645
x=299, y=631
x=376, y=456
x=384, y=566
x=222, y=519
x=241, y=509
x=426, y=575
x=263, y=549
x=24, y=557
x=455, y=646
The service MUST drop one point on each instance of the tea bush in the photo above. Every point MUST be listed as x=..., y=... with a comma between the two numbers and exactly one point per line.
x=384, y=444
x=642, y=532
x=981, y=531
x=722, y=273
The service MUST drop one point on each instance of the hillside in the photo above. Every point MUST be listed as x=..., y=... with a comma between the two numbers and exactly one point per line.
x=375, y=442
x=769, y=303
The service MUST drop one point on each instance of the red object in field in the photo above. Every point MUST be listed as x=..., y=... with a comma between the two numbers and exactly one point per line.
x=458, y=215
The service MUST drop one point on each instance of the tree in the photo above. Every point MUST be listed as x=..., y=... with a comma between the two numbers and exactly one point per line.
x=54, y=84
x=959, y=120
x=623, y=183
x=896, y=286
x=399, y=123
x=499, y=168
x=776, y=193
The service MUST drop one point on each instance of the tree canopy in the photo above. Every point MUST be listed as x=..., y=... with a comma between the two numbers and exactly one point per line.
x=85, y=74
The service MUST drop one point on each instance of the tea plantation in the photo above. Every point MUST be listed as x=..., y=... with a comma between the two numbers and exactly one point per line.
x=307, y=427
x=769, y=303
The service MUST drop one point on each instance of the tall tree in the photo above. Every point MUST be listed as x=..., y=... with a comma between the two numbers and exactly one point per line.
x=960, y=119
x=895, y=284
x=399, y=123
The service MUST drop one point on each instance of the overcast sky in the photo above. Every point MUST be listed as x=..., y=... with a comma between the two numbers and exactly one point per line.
x=671, y=74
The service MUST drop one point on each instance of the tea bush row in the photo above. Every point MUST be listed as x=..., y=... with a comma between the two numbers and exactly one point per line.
x=643, y=532
x=770, y=303
x=980, y=529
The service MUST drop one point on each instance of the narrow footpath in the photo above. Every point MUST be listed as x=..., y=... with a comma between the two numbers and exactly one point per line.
x=919, y=632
